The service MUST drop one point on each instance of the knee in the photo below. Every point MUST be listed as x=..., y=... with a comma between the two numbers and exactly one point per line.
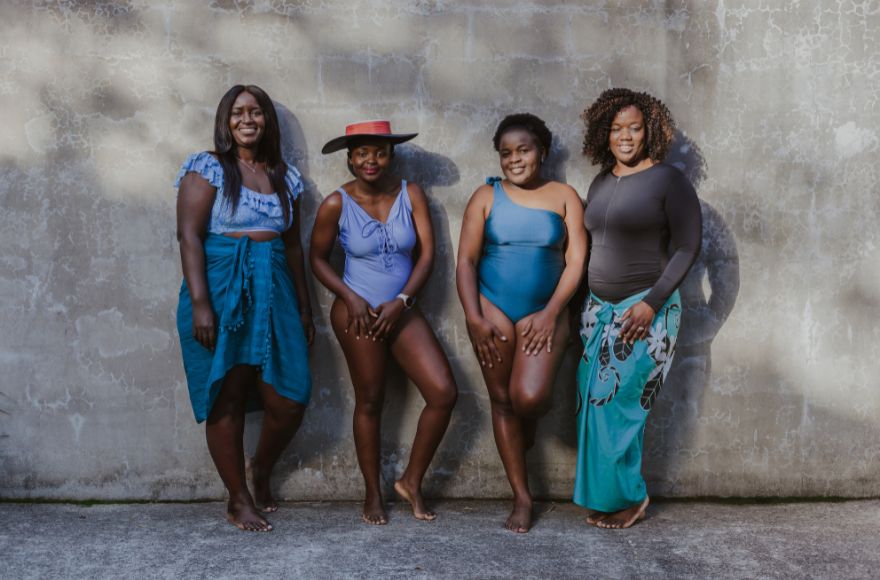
x=531, y=405
x=443, y=398
x=285, y=411
x=370, y=406
x=501, y=406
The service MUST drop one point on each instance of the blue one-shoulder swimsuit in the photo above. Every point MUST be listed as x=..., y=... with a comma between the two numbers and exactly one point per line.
x=523, y=255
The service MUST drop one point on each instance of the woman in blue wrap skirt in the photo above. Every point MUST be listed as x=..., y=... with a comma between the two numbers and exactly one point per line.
x=244, y=317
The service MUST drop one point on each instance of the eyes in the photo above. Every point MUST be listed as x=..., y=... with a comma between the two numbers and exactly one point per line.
x=522, y=150
x=364, y=153
x=635, y=128
x=255, y=113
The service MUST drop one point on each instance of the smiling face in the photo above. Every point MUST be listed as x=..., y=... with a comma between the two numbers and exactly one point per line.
x=247, y=121
x=520, y=155
x=369, y=159
x=628, y=136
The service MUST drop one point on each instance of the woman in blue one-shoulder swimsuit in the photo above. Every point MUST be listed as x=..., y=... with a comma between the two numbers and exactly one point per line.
x=520, y=260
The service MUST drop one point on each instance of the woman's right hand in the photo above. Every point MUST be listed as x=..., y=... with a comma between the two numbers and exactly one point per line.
x=359, y=315
x=204, y=328
x=483, y=334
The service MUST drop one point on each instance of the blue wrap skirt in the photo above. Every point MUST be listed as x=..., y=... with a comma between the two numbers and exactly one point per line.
x=257, y=317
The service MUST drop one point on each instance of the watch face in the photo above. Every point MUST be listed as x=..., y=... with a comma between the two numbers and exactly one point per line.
x=410, y=302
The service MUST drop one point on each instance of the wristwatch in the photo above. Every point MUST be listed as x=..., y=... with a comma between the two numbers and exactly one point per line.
x=408, y=301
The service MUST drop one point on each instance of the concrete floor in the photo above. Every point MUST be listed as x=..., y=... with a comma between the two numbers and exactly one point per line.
x=327, y=540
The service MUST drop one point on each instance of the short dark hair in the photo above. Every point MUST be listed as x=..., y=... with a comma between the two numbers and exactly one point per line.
x=600, y=115
x=268, y=149
x=531, y=123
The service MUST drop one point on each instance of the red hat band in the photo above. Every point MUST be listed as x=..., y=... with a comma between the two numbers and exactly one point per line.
x=369, y=128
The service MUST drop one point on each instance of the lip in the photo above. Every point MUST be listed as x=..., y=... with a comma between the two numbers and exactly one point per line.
x=370, y=170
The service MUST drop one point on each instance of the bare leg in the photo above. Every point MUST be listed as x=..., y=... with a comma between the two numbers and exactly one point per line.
x=281, y=421
x=507, y=426
x=225, y=434
x=421, y=357
x=532, y=377
x=366, y=360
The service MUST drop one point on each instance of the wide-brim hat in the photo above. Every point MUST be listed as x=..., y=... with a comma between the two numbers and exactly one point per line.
x=380, y=129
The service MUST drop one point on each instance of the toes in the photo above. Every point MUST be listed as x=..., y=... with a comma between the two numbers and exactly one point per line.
x=375, y=520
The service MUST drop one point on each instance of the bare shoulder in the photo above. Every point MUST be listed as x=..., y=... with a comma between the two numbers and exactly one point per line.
x=483, y=194
x=563, y=190
x=416, y=193
x=332, y=204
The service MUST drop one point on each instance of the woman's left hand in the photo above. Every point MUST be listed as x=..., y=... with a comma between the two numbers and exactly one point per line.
x=538, y=331
x=636, y=322
x=308, y=326
x=388, y=313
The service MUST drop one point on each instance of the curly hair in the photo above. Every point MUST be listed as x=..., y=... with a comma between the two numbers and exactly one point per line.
x=600, y=115
x=531, y=123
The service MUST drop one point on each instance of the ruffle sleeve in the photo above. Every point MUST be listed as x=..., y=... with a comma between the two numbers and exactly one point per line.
x=205, y=165
x=294, y=181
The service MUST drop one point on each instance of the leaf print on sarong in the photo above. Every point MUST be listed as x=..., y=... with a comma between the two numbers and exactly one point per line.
x=607, y=374
x=657, y=378
x=604, y=354
x=622, y=349
x=652, y=388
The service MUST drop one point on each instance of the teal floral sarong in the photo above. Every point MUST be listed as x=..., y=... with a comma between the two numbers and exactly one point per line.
x=617, y=385
x=257, y=318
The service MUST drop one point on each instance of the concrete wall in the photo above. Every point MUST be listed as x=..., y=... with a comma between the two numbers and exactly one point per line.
x=775, y=389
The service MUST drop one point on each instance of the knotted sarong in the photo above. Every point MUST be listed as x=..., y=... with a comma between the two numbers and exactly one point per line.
x=617, y=385
x=257, y=317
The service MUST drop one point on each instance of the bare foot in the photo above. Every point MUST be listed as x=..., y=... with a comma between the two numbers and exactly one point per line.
x=624, y=518
x=263, y=492
x=244, y=516
x=596, y=516
x=520, y=518
x=374, y=512
x=414, y=497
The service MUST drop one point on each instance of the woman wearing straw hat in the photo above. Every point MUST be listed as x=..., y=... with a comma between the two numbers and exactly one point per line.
x=383, y=224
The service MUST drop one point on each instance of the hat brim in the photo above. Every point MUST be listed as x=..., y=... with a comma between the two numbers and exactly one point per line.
x=334, y=145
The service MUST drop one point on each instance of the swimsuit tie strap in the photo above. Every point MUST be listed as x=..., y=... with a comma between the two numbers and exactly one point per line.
x=387, y=245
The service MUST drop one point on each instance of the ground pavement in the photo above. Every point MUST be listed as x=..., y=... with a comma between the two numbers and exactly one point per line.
x=328, y=540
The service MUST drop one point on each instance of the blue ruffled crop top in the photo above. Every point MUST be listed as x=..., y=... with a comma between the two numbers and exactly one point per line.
x=256, y=211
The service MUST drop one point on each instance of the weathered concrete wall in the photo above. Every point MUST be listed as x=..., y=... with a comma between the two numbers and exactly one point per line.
x=778, y=108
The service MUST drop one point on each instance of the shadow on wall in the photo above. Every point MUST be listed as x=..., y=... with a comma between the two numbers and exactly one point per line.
x=708, y=295
x=429, y=170
x=554, y=165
